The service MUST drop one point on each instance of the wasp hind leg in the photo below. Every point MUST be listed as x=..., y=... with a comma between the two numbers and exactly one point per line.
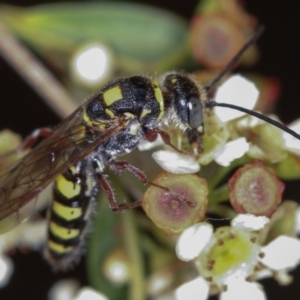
x=31, y=140
x=121, y=166
x=114, y=206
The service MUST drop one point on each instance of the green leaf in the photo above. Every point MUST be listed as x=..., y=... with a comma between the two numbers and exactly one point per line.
x=102, y=241
x=113, y=231
x=142, y=38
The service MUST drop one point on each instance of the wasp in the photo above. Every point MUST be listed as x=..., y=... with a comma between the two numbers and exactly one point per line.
x=106, y=126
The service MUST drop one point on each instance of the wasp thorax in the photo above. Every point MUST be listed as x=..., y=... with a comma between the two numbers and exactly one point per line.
x=96, y=110
x=136, y=97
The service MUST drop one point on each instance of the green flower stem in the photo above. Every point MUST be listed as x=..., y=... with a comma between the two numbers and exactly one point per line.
x=222, y=210
x=221, y=172
x=218, y=195
x=159, y=256
x=103, y=240
x=137, y=280
x=131, y=240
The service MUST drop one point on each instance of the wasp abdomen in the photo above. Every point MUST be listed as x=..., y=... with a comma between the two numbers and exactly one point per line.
x=68, y=222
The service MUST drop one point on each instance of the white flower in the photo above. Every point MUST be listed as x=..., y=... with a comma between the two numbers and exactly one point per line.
x=224, y=259
x=186, y=247
x=196, y=289
x=145, y=145
x=236, y=289
x=231, y=151
x=239, y=91
x=229, y=252
x=176, y=163
x=227, y=258
x=249, y=221
x=282, y=255
x=266, y=140
x=239, y=289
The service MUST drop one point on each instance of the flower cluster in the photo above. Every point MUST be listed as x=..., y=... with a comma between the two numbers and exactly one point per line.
x=259, y=240
x=231, y=259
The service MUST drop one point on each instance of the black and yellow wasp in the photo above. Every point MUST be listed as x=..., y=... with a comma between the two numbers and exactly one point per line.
x=75, y=154
x=109, y=124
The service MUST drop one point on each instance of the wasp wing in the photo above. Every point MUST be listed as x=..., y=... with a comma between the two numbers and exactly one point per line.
x=66, y=146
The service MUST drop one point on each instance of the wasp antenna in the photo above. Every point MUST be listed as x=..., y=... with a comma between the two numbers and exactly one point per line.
x=210, y=104
x=235, y=59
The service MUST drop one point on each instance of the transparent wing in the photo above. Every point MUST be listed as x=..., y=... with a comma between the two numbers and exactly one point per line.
x=66, y=146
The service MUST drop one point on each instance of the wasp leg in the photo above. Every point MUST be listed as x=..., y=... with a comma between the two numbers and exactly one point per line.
x=114, y=206
x=194, y=137
x=122, y=166
x=151, y=136
x=32, y=139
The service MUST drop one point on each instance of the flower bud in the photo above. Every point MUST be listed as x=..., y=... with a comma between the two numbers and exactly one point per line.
x=255, y=189
x=180, y=202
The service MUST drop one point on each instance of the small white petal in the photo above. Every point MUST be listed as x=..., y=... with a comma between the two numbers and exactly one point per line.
x=176, y=163
x=196, y=289
x=239, y=289
x=63, y=290
x=231, y=151
x=145, y=145
x=193, y=240
x=281, y=253
x=6, y=270
x=249, y=221
x=239, y=91
x=89, y=294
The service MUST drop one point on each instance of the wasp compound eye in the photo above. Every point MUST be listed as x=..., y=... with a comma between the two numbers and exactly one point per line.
x=195, y=112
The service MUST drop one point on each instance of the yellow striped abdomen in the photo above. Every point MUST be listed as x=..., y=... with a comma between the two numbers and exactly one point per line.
x=68, y=221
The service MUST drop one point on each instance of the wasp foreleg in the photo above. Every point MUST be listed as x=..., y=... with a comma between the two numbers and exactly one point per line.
x=152, y=134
